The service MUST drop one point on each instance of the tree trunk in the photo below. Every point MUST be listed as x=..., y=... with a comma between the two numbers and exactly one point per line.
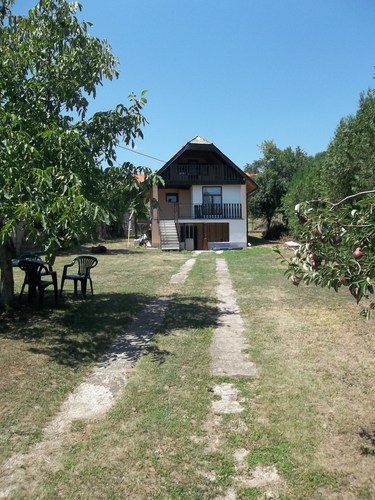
x=7, y=281
x=269, y=220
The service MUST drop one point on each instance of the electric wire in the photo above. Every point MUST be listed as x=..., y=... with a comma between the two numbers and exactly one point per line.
x=142, y=154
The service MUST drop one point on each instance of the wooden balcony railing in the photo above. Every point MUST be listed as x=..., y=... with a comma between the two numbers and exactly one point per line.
x=188, y=174
x=210, y=211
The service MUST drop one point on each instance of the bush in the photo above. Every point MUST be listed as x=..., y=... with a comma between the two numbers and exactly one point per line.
x=276, y=231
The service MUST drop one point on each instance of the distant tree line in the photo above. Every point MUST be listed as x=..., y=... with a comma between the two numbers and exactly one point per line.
x=289, y=176
x=328, y=204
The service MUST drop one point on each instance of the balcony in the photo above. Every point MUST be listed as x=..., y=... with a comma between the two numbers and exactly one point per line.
x=208, y=211
x=207, y=174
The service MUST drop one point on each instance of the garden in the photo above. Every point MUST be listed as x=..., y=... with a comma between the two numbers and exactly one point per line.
x=307, y=413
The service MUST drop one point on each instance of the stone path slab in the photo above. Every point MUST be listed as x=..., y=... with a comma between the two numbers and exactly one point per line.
x=229, y=342
x=228, y=402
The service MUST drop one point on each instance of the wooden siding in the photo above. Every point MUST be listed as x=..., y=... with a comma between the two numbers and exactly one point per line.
x=186, y=174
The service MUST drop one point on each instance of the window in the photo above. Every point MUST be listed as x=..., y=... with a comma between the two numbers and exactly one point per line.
x=171, y=197
x=212, y=195
x=182, y=170
x=189, y=231
x=212, y=202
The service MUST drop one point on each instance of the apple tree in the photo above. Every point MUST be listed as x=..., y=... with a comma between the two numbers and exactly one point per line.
x=338, y=246
x=51, y=154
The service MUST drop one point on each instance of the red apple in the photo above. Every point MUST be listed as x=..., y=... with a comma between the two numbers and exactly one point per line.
x=312, y=260
x=357, y=254
x=295, y=280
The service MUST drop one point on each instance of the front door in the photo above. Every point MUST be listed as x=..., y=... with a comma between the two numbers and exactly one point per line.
x=190, y=237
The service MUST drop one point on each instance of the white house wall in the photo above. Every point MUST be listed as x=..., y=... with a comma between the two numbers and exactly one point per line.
x=196, y=195
x=237, y=232
x=230, y=194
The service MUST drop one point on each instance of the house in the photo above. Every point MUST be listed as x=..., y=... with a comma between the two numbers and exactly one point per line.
x=203, y=203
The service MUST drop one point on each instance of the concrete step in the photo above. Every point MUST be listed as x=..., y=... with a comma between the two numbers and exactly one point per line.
x=168, y=235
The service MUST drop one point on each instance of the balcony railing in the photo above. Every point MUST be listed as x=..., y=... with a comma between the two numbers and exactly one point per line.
x=209, y=211
x=188, y=174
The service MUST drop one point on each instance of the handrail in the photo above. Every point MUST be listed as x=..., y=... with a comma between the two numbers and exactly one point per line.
x=176, y=213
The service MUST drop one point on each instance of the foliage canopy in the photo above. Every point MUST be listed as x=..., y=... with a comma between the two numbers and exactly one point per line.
x=51, y=154
x=275, y=171
x=338, y=246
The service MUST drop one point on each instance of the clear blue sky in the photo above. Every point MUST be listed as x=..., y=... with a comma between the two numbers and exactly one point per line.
x=236, y=72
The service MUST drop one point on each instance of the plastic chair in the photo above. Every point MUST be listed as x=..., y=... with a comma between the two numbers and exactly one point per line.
x=37, y=277
x=85, y=263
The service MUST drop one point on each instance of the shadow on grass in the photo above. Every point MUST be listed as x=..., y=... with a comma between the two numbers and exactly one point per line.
x=184, y=313
x=257, y=240
x=190, y=313
x=115, y=251
x=81, y=331
x=369, y=437
x=86, y=250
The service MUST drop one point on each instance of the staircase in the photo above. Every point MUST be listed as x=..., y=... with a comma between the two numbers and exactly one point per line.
x=168, y=235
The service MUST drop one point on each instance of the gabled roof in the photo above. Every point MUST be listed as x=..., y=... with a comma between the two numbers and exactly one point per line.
x=199, y=140
x=251, y=185
x=200, y=144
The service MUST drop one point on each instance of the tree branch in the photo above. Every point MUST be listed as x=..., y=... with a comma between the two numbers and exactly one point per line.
x=352, y=196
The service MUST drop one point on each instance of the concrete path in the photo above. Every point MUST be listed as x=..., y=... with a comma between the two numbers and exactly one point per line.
x=230, y=359
x=229, y=343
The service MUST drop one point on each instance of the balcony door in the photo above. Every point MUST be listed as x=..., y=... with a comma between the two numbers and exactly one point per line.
x=212, y=201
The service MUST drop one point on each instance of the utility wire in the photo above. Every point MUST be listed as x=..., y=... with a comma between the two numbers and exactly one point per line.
x=142, y=154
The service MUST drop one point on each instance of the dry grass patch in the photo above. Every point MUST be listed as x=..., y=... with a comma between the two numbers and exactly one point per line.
x=315, y=389
x=306, y=429
x=46, y=353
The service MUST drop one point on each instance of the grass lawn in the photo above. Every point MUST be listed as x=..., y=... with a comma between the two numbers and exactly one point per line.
x=309, y=412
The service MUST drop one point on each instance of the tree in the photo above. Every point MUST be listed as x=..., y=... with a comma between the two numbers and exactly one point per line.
x=338, y=246
x=349, y=165
x=276, y=169
x=125, y=190
x=305, y=185
x=51, y=156
x=338, y=236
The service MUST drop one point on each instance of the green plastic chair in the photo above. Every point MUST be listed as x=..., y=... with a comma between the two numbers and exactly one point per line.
x=84, y=264
x=37, y=277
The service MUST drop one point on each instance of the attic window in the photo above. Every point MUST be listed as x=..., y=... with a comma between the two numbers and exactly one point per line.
x=171, y=197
